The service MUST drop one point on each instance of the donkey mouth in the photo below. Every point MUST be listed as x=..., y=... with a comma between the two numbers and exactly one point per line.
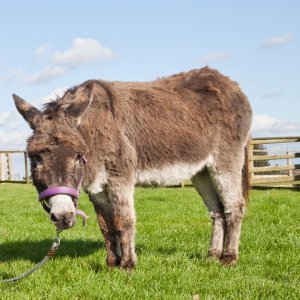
x=64, y=225
x=64, y=221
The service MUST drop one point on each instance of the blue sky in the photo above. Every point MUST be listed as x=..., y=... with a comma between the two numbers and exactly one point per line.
x=48, y=46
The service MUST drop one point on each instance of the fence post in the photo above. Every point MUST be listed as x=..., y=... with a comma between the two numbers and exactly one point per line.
x=250, y=160
x=26, y=167
x=289, y=163
x=2, y=168
x=10, y=167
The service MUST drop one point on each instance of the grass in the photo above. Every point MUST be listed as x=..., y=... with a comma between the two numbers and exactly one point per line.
x=172, y=242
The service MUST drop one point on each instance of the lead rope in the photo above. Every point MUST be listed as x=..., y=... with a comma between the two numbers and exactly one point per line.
x=49, y=255
x=56, y=242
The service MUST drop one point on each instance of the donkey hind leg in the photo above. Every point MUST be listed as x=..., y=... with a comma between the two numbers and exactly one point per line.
x=116, y=217
x=105, y=216
x=228, y=182
x=204, y=186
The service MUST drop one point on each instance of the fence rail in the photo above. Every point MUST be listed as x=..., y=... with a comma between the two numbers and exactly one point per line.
x=263, y=167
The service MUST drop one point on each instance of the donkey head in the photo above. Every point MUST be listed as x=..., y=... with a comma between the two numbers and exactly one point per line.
x=56, y=149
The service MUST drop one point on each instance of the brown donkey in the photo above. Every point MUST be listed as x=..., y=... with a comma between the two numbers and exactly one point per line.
x=190, y=125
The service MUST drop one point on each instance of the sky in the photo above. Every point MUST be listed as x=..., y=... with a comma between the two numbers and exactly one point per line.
x=49, y=46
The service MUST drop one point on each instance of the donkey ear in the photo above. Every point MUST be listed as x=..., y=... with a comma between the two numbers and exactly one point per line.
x=28, y=112
x=83, y=99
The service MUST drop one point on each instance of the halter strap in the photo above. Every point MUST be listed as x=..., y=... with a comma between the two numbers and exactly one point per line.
x=59, y=190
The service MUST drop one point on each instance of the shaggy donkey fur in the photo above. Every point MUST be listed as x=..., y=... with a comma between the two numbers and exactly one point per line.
x=190, y=125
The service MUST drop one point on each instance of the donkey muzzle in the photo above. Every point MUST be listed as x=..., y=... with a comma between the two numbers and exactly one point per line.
x=62, y=211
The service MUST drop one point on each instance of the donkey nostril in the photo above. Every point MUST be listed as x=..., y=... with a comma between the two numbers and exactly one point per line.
x=53, y=218
x=67, y=219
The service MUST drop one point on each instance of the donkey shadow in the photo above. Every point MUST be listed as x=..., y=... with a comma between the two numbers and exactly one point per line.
x=34, y=251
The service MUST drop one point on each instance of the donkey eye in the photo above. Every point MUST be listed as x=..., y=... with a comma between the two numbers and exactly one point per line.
x=36, y=159
x=78, y=157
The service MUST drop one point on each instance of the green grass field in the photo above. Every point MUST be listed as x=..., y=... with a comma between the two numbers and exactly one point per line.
x=172, y=242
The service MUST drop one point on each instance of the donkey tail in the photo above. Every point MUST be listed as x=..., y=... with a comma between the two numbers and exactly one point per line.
x=246, y=174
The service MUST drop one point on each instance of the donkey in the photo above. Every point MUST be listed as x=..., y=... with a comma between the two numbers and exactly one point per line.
x=190, y=125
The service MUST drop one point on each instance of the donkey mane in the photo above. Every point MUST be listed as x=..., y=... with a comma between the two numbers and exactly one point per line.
x=54, y=104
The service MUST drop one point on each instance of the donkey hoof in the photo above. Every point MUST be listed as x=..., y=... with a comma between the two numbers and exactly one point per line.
x=214, y=255
x=113, y=261
x=229, y=259
x=128, y=264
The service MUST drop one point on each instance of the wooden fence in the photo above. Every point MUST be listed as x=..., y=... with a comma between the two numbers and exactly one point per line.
x=264, y=171
x=6, y=166
x=263, y=166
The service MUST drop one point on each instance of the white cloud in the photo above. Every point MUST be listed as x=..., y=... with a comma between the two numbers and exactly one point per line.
x=10, y=139
x=267, y=125
x=14, y=125
x=272, y=94
x=83, y=51
x=4, y=116
x=40, y=51
x=276, y=41
x=214, y=57
x=44, y=76
x=13, y=132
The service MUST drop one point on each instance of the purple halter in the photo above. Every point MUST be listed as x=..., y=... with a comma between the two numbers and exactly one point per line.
x=59, y=190
x=64, y=190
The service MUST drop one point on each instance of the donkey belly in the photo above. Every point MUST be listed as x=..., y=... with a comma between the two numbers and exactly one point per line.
x=170, y=174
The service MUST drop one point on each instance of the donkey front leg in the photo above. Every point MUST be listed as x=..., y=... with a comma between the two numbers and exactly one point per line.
x=116, y=217
x=121, y=197
x=105, y=216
